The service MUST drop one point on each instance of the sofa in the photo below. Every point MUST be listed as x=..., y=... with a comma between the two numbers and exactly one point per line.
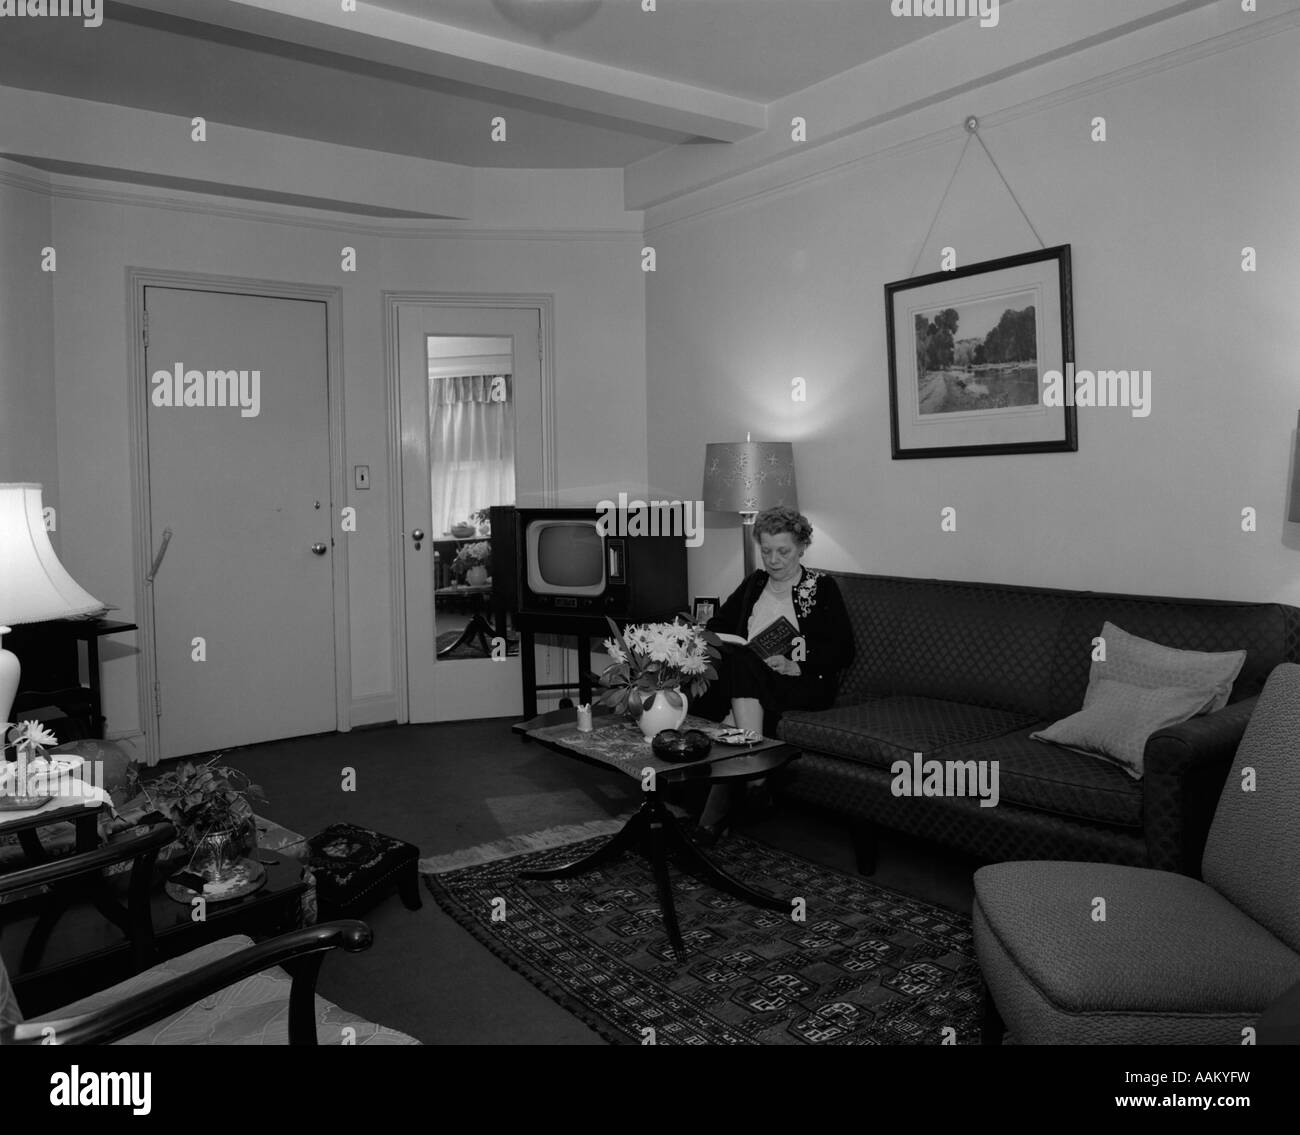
x=964, y=671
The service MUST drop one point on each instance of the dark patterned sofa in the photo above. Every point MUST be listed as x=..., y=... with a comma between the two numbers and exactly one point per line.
x=967, y=671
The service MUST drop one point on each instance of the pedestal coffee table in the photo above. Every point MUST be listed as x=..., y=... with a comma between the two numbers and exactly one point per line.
x=618, y=744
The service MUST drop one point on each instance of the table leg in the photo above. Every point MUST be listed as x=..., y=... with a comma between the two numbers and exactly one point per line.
x=628, y=838
x=528, y=671
x=663, y=884
x=698, y=864
x=584, y=669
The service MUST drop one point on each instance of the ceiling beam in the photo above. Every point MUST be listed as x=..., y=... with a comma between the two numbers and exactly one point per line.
x=413, y=43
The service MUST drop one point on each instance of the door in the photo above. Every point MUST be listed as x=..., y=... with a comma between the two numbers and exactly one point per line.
x=239, y=472
x=470, y=412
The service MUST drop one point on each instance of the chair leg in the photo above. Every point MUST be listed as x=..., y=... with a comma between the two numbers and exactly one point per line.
x=992, y=1027
x=864, y=846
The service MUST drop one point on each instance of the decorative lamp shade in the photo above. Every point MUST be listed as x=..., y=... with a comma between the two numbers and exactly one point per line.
x=34, y=586
x=748, y=476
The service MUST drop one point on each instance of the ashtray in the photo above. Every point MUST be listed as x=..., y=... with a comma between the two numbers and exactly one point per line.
x=678, y=747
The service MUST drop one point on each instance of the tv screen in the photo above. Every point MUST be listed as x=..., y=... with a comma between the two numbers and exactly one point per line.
x=565, y=557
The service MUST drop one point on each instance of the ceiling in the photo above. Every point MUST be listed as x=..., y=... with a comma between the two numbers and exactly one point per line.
x=582, y=83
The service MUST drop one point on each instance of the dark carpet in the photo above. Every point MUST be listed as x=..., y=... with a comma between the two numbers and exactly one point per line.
x=454, y=786
x=862, y=966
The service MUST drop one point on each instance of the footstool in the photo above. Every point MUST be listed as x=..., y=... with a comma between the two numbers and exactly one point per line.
x=355, y=867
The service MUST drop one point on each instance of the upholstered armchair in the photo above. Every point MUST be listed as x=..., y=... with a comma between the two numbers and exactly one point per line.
x=1096, y=953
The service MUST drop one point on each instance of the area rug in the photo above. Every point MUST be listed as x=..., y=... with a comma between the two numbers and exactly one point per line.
x=865, y=966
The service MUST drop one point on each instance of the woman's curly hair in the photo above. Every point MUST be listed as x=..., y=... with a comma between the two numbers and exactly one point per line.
x=783, y=518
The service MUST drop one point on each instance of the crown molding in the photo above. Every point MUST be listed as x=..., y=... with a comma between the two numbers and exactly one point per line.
x=843, y=154
x=112, y=193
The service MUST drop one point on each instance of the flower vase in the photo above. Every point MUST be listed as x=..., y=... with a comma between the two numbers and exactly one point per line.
x=477, y=576
x=662, y=715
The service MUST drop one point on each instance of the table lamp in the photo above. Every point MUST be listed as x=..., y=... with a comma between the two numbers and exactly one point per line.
x=34, y=586
x=747, y=477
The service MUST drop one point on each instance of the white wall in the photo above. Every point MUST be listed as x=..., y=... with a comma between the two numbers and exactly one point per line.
x=1202, y=159
x=28, y=445
x=599, y=362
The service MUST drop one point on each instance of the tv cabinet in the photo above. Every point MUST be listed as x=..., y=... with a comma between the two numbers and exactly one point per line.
x=584, y=627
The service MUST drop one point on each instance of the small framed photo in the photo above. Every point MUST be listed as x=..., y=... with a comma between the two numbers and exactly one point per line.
x=704, y=607
x=968, y=354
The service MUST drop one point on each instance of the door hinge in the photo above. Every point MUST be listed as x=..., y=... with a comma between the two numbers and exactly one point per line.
x=157, y=699
x=146, y=327
x=539, y=348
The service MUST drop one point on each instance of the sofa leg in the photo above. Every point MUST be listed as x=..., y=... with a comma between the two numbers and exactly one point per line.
x=992, y=1027
x=864, y=846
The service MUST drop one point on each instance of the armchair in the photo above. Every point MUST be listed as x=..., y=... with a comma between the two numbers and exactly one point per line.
x=1174, y=960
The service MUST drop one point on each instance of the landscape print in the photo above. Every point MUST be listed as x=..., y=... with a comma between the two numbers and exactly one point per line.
x=981, y=355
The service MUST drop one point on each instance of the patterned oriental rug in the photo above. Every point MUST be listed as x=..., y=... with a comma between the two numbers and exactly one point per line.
x=866, y=966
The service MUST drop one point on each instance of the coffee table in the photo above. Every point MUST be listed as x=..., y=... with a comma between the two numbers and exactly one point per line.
x=618, y=744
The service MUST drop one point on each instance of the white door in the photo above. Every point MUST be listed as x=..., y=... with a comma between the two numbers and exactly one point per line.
x=239, y=471
x=470, y=382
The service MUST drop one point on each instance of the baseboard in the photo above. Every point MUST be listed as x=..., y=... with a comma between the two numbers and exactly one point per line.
x=374, y=709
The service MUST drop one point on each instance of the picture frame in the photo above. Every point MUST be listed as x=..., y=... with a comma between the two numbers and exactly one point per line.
x=704, y=607
x=981, y=393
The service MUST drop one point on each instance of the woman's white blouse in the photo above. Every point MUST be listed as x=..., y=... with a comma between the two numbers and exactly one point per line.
x=768, y=608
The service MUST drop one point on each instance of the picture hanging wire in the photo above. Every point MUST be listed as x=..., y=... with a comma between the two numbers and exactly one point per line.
x=972, y=125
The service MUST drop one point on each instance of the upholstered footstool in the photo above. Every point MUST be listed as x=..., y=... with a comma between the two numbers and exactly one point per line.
x=355, y=867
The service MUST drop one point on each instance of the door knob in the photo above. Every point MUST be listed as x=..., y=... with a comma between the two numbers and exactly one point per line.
x=319, y=549
x=417, y=534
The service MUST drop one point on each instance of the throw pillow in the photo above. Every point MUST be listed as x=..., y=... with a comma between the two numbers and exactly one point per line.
x=1141, y=662
x=1120, y=718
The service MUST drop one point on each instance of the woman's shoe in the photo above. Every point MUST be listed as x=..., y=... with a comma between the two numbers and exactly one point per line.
x=710, y=835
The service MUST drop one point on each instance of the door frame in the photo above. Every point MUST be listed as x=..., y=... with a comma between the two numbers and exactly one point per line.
x=137, y=279
x=541, y=302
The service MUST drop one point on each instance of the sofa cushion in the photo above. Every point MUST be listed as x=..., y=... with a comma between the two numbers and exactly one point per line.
x=1260, y=629
x=1048, y=778
x=881, y=731
x=1174, y=962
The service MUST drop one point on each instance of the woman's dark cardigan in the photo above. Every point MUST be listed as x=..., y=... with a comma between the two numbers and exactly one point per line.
x=823, y=621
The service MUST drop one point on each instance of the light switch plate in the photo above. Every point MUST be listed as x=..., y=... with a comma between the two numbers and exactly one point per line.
x=361, y=476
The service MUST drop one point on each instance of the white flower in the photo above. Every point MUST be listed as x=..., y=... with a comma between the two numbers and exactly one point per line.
x=693, y=665
x=614, y=650
x=34, y=733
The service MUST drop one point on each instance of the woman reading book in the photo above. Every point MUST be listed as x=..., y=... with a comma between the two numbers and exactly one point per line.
x=787, y=638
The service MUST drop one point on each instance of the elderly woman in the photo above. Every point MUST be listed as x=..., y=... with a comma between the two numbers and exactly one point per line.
x=758, y=691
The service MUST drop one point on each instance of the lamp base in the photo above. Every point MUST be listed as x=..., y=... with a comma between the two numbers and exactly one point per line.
x=747, y=535
x=10, y=671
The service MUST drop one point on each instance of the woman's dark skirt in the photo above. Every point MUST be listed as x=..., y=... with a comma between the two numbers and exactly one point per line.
x=742, y=674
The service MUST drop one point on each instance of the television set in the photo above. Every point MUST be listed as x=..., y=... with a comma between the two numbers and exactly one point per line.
x=556, y=561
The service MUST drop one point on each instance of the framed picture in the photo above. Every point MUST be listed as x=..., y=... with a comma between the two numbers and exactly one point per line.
x=704, y=607
x=968, y=350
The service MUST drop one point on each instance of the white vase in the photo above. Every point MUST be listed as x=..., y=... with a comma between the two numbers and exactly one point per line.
x=662, y=715
x=477, y=576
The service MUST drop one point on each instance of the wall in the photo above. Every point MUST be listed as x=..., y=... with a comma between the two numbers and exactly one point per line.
x=1202, y=159
x=599, y=357
x=28, y=446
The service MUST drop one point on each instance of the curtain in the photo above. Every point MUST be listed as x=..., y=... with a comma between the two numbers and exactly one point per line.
x=471, y=446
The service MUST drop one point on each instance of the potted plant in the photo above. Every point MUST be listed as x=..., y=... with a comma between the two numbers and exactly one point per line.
x=652, y=664
x=210, y=805
x=472, y=562
x=484, y=519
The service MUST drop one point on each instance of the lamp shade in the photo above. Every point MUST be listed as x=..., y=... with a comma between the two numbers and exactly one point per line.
x=748, y=476
x=34, y=586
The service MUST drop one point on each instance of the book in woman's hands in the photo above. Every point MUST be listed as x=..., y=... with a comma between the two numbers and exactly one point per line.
x=774, y=639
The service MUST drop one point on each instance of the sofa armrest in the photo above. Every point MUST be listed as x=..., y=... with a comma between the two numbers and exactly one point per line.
x=1185, y=766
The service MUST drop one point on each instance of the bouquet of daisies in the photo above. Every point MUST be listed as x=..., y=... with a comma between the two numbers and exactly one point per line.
x=654, y=659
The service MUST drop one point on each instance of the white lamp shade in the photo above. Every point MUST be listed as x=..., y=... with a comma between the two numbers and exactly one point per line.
x=34, y=586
